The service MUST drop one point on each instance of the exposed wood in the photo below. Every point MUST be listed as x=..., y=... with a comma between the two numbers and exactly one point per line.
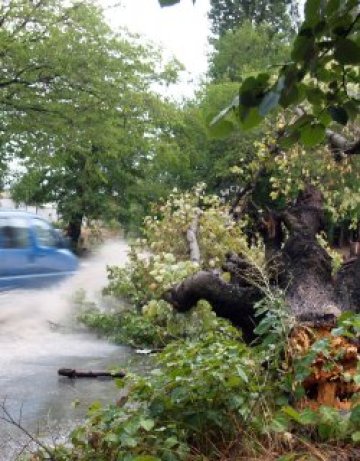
x=326, y=385
x=191, y=236
x=72, y=373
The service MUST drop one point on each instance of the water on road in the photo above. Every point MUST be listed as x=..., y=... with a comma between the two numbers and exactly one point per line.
x=37, y=336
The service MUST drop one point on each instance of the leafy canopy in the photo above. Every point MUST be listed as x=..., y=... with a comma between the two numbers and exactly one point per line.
x=323, y=73
x=78, y=109
x=228, y=15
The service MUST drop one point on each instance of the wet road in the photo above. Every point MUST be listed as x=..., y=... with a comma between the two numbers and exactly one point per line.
x=38, y=335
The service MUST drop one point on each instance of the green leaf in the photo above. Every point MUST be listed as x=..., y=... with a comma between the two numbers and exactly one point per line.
x=308, y=416
x=315, y=96
x=339, y=331
x=325, y=431
x=221, y=129
x=242, y=374
x=312, y=11
x=355, y=415
x=249, y=118
x=234, y=381
x=168, y=2
x=332, y=7
x=303, y=49
x=170, y=442
x=345, y=316
x=313, y=134
x=338, y=114
x=292, y=413
x=356, y=437
x=325, y=118
x=280, y=423
x=128, y=441
x=111, y=437
x=347, y=51
x=147, y=424
x=290, y=95
x=95, y=406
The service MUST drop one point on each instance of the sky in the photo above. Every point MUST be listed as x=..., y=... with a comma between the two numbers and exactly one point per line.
x=181, y=30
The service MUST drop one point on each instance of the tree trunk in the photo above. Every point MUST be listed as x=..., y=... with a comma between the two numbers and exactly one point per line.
x=74, y=230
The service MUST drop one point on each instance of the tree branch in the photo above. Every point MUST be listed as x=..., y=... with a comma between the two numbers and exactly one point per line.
x=191, y=236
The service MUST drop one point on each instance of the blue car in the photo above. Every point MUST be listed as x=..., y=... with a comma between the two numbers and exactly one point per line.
x=32, y=252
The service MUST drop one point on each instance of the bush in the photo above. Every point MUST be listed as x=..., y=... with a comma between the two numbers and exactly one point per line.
x=161, y=260
x=202, y=393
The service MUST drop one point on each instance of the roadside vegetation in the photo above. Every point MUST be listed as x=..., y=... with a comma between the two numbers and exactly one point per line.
x=209, y=396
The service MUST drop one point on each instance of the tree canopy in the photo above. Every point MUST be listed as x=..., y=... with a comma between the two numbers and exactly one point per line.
x=247, y=51
x=227, y=15
x=79, y=110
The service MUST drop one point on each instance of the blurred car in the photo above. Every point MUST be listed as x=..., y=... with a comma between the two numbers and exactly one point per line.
x=32, y=252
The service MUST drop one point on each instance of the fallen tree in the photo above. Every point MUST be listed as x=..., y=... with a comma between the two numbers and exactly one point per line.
x=298, y=264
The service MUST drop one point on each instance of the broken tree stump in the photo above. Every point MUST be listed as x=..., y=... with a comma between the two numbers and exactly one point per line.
x=72, y=373
x=330, y=380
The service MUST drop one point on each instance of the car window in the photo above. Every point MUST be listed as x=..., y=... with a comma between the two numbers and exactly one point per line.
x=14, y=233
x=44, y=233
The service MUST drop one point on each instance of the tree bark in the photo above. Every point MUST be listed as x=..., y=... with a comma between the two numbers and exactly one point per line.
x=74, y=230
x=228, y=300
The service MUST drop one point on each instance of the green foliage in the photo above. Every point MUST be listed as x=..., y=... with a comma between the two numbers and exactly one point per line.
x=202, y=392
x=160, y=261
x=338, y=181
x=217, y=231
x=325, y=52
x=247, y=50
x=208, y=389
x=145, y=278
x=126, y=327
x=78, y=107
x=228, y=15
x=336, y=257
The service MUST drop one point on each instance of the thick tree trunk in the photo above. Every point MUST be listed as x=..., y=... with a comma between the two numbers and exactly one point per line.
x=307, y=266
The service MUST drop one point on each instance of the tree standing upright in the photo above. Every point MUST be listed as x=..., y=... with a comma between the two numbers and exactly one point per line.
x=78, y=108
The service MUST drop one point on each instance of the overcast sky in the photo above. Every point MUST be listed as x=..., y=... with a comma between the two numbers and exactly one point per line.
x=182, y=30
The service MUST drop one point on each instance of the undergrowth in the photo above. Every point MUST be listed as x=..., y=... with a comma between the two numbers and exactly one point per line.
x=210, y=396
x=215, y=398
